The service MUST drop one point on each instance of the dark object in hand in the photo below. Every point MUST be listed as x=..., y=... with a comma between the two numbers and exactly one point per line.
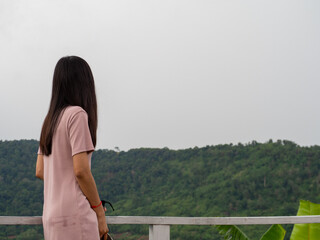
x=104, y=204
x=108, y=238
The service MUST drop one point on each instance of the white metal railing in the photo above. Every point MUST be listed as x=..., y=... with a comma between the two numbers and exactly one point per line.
x=159, y=227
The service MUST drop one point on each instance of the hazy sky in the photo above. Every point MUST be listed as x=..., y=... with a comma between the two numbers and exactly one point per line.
x=169, y=73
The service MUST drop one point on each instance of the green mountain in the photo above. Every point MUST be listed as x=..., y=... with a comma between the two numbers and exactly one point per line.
x=256, y=179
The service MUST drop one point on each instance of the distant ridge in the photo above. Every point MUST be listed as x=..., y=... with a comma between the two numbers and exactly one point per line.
x=251, y=179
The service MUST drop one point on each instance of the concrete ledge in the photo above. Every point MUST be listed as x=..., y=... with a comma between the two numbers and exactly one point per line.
x=21, y=220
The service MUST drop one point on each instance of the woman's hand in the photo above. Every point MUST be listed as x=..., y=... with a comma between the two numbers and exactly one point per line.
x=102, y=223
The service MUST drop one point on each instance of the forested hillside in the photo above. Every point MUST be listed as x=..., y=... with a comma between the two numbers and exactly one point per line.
x=256, y=179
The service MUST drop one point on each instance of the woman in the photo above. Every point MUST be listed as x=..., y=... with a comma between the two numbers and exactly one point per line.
x=72, y=208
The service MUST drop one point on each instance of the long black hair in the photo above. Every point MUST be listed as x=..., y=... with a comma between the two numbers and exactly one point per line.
x=72, y=85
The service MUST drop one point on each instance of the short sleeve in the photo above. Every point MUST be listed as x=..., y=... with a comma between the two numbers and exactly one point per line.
x=79, y=133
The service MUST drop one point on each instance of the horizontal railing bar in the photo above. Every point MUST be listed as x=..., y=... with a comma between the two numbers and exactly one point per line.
x=17, y=220
x=212, y=220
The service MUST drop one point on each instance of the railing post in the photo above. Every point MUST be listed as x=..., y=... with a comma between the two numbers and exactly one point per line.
x=159, y=232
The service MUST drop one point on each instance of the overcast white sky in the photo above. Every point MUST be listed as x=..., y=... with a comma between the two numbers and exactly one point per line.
x=169, y=73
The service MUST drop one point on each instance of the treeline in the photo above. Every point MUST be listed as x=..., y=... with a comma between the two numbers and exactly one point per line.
x=255, y=179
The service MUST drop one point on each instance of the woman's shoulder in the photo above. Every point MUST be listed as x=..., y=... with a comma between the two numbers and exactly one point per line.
x=72, y=111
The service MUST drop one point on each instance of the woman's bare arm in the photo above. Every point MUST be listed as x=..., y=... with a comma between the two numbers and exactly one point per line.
x=88, y=186
x=85, y=179
x=39, y=167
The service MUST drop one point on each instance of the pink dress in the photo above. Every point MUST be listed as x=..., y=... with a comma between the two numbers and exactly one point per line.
x=66, y=211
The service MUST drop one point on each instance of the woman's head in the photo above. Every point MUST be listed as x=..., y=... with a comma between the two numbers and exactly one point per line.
x=73, y=85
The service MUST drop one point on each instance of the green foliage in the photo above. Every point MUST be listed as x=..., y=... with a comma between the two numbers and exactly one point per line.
x=30, y=234
x=231, y=232
x=307, y=231
x=256, y=179
x=275, y=232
